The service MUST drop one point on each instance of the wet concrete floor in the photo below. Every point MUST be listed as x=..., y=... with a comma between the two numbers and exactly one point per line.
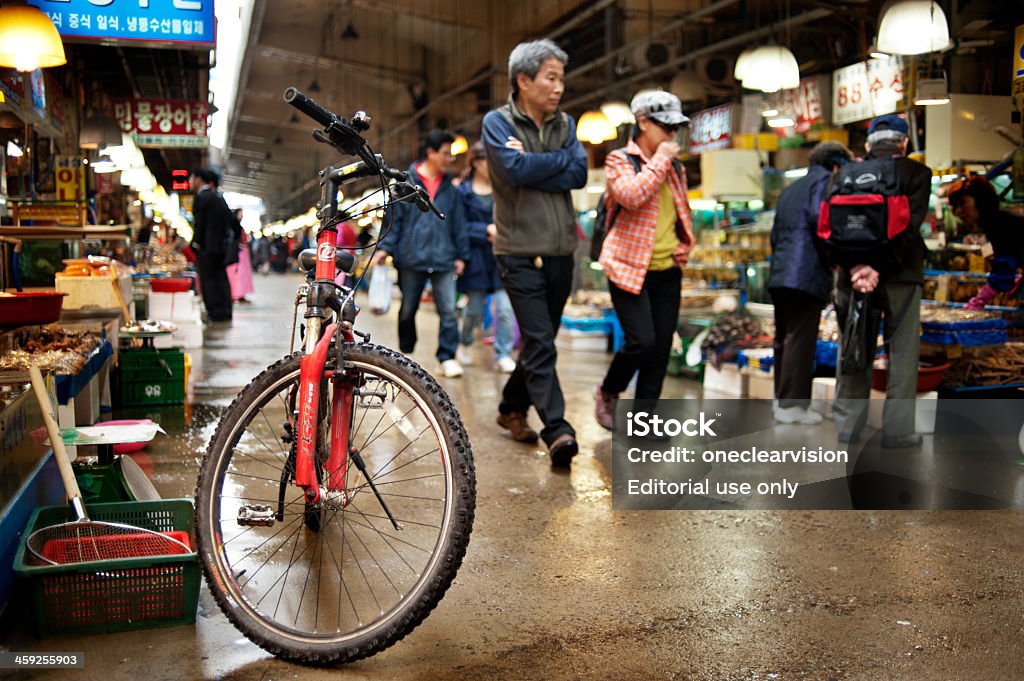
x=557, y=585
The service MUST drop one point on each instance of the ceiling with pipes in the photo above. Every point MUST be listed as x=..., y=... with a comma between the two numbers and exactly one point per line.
x=419, y=64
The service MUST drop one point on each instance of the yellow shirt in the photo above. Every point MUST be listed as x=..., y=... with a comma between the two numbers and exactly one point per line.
x=665, y=238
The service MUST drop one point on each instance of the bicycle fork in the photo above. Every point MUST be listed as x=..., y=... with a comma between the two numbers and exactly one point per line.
x=341, y=452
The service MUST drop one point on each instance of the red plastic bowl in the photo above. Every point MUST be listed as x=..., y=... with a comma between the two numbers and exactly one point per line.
x=35, y=307
x=170, y=285
x=929, y=377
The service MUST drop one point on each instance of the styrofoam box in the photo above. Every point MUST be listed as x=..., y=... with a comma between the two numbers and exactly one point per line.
x=924, y=415
x=586, y=341
x=173, y=307
x=823, y=394
x=93, y=291
x=188, y=335
x=728, y=381
x=760, y=384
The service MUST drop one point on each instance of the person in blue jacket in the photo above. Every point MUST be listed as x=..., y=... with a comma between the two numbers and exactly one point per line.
x=426, y=248
x=481, y=276
x=535, y=159
x=800, y=282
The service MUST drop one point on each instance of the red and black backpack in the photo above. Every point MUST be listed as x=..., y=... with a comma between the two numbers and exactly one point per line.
x=866, y=209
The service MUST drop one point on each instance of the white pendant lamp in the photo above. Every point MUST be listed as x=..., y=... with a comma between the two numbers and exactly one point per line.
x=739, y=72
x=913, y=27
x=594, y=128
x=771, y=68
x=617, y=113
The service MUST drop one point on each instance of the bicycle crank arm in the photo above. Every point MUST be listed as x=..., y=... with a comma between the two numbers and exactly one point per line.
x=357, y=459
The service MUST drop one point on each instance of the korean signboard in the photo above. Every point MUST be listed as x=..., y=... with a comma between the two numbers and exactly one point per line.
x=163, y=123
x=69, y=178
x=866, y=90
x=711, y=129
x=112, y=21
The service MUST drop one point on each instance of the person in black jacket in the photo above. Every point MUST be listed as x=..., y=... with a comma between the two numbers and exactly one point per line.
x=800, y=282
x=211, y=221
x=425, y=248
x=894, y=290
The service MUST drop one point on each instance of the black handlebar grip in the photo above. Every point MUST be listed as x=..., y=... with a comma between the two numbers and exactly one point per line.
x=309, y=107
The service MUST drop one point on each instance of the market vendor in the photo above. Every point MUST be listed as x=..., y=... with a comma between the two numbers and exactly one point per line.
x=975, y=203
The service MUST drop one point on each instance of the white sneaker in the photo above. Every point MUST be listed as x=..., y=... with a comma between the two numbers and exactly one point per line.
x=450, y=368
x=464, y=355
x=798, y=415
x=506, y=365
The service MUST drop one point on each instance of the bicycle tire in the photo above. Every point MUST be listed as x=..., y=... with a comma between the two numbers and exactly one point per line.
x=226, y=567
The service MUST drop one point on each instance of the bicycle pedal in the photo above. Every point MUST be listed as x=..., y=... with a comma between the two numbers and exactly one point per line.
x=256, y=515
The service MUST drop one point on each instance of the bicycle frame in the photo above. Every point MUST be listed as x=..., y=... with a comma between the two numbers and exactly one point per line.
x=322, y=295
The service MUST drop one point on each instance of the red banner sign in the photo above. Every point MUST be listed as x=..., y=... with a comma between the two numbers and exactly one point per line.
x=711, y=129
x=163, y=122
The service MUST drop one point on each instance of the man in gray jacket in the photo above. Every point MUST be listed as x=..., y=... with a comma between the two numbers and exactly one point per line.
x=535, y=159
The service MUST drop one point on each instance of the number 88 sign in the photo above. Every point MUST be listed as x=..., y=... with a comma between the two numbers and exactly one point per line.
x=866, y=89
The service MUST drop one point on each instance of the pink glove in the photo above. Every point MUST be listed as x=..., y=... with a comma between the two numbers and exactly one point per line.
x=984, y=297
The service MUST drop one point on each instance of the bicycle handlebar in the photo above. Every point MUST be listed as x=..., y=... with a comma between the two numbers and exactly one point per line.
x=345, y=136
x=309, y=107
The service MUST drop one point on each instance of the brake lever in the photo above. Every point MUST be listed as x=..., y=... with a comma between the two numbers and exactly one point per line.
x=424, y=203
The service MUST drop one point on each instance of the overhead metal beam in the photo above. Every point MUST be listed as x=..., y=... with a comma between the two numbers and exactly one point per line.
x=374, y=71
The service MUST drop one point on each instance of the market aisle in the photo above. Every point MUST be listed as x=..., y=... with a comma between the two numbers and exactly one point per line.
x=557, y=586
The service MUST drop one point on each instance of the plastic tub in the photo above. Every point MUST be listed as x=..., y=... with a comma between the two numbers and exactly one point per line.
x=170, y=285
x=35, y=307
x=929, y=376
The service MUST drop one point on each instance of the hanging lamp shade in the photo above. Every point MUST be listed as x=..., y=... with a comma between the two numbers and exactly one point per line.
x=771, y=68
x=913, y=27
x=594, y=128
x=460, y=145
x=99, y=132
x=28, y=39
x=739, y=72
x=617, y=113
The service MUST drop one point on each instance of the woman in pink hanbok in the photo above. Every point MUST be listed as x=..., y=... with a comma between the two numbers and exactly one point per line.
x=240, y=274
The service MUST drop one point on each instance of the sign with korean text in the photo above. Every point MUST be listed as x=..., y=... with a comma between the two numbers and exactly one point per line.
x=866, y=89
x=69, y=178
x=112, y=21
x=163, y=123
x=711, y=129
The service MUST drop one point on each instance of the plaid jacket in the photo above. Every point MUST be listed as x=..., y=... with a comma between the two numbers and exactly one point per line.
x=627, y=250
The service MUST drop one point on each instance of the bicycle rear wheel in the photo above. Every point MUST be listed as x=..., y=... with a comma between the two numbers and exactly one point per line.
x=347, y=584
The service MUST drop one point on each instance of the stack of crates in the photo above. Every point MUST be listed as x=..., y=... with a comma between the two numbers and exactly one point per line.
x=152, y=377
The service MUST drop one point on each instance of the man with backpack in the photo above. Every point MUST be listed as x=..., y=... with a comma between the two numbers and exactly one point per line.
x=649, y=233
x=886, y=274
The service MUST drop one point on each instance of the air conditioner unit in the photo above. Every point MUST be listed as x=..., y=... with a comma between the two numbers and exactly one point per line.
x=715, y=71
x=650, y=54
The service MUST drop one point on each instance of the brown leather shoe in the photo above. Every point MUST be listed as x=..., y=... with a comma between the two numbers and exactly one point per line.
x=604, y=408
x=515, y=423
x=562, y=450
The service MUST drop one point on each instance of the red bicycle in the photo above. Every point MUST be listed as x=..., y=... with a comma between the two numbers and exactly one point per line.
x=335, y=501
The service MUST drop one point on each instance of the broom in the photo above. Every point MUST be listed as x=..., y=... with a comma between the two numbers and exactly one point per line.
x=83, y=539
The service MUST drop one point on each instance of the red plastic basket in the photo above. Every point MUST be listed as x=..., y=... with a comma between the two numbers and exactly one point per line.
x=71, y=550
x=170, y=285
x=34, y=307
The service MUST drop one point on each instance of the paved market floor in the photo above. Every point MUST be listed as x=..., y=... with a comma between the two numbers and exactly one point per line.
x=556, y=585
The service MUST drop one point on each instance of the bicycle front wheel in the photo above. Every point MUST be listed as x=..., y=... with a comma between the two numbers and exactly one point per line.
x=336, y=581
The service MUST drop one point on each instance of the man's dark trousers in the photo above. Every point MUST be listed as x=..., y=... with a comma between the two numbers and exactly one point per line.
x=214, y=284
x=538, y=296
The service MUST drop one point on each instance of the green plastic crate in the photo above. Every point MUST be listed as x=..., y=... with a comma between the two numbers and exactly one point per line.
x=113, y=595
x=152, y=377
